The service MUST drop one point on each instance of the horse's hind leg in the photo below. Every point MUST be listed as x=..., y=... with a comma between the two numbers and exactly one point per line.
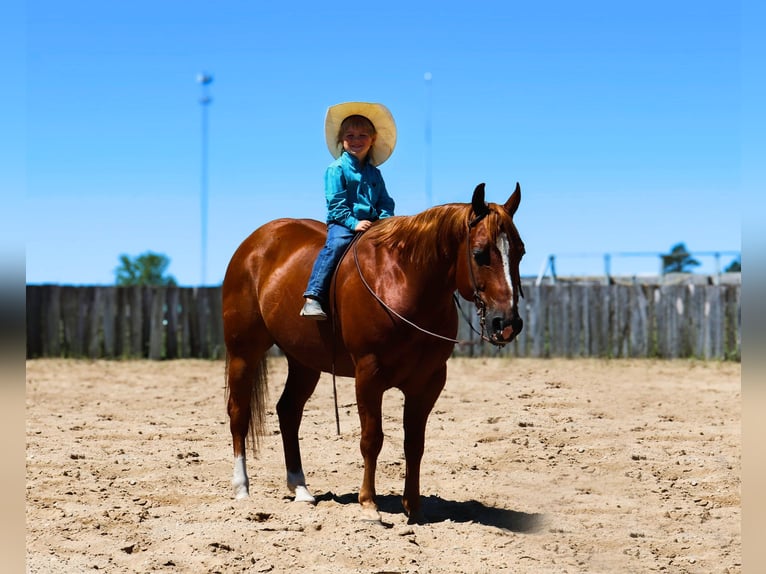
x=300, y=385
x=246, y=387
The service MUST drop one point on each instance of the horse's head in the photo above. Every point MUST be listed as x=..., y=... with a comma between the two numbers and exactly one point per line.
x=488, y=272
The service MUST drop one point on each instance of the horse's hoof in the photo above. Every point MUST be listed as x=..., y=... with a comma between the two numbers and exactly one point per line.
x=241, y=493
x=302, y=494
x=371, y=515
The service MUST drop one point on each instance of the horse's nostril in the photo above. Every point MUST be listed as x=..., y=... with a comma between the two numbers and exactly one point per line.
x=498, y=324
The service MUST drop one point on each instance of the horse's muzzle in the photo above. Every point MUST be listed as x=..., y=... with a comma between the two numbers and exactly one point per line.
x=505, y=330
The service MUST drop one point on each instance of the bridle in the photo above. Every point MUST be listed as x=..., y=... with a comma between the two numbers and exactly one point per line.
x=481, y=305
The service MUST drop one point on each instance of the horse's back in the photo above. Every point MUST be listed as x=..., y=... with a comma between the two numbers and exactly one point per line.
x=274, y=246
x=270, y=268
x=277, y=237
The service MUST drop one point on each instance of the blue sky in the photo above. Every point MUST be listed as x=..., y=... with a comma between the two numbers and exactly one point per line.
x=621, y=121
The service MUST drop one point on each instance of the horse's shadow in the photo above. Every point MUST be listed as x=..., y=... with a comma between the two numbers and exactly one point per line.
x=436, y=509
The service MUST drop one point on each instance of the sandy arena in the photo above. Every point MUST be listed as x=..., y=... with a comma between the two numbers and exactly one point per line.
x=539, y=466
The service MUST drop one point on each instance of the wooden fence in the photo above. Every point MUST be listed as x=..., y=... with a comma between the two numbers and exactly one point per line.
x=124, y=322
x=561, y=320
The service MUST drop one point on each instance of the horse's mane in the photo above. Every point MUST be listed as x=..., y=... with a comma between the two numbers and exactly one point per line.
x=418, y=238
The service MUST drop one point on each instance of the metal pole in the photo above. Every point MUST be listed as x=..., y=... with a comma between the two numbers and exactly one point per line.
x=204, y=79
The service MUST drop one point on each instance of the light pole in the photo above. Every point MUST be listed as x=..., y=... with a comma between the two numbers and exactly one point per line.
x=427, y=79
x=204, y=79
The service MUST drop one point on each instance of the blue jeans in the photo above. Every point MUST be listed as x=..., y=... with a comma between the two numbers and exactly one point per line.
x=338, y=239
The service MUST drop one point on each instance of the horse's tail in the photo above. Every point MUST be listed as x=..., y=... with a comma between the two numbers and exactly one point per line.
x=258, y=395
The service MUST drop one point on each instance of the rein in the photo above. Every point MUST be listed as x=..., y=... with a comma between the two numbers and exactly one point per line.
x=481, y=306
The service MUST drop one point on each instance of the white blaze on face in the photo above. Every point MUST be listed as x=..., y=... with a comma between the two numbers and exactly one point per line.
x=504, y=247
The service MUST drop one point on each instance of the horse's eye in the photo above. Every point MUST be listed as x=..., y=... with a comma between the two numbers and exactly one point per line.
x=481, y=256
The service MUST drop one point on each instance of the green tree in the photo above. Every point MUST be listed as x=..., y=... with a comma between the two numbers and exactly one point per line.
x=145, y=269
x=735, y=266
x=679, y=260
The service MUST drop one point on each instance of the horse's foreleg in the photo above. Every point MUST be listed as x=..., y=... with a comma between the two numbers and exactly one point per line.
x=369, y=402
x=300, y=385
x=417, y=407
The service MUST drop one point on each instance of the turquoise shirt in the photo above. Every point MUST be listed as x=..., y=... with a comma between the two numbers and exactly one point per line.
x=355, y=192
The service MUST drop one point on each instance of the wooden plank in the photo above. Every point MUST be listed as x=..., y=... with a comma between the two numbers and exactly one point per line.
x=71, y=345
x=564, y=312
x=52, y=321
x=156, y=306
x=538, y=321
x=715, y=297
x=186, y=327
x=580, y=323
x=121, y=337
x=108, y=325
x=707, y=325
x=171, y=331
x=553, y=322
x=594, y=308
x=654, y=311
x=660, y=321
x=733, y=323
x=84, y=307
x=687, y=320
x=136, y=322
x=623, y=310
x=672, y=303
x=677, y=310
x=147, y=300
x=92, y=310
x=576, y=329
x=195, y=329
x=606, y=321
x=585, y=324
x=639, y=332
x=696, y=339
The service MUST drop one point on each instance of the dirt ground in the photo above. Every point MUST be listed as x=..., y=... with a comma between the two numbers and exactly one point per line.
x=530, y=466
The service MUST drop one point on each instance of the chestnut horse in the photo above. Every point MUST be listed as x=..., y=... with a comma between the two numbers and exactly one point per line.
x=393, y=323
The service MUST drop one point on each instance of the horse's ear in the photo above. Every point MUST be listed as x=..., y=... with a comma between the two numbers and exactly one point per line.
x=513, y=202
x=480, y=208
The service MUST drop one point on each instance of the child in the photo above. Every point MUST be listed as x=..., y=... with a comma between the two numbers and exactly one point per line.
x=361, y=136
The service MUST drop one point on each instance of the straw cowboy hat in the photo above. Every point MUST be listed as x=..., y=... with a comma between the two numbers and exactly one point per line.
x=380, y=117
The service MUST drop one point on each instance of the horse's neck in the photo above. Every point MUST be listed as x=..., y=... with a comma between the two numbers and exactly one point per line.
x=434, y=260
x=426, y=247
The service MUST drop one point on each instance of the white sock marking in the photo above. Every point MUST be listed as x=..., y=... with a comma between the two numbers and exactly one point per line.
x=296, y=482
x=239, y=479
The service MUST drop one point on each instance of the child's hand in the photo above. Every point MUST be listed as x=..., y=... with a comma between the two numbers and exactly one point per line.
x=363, y=225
